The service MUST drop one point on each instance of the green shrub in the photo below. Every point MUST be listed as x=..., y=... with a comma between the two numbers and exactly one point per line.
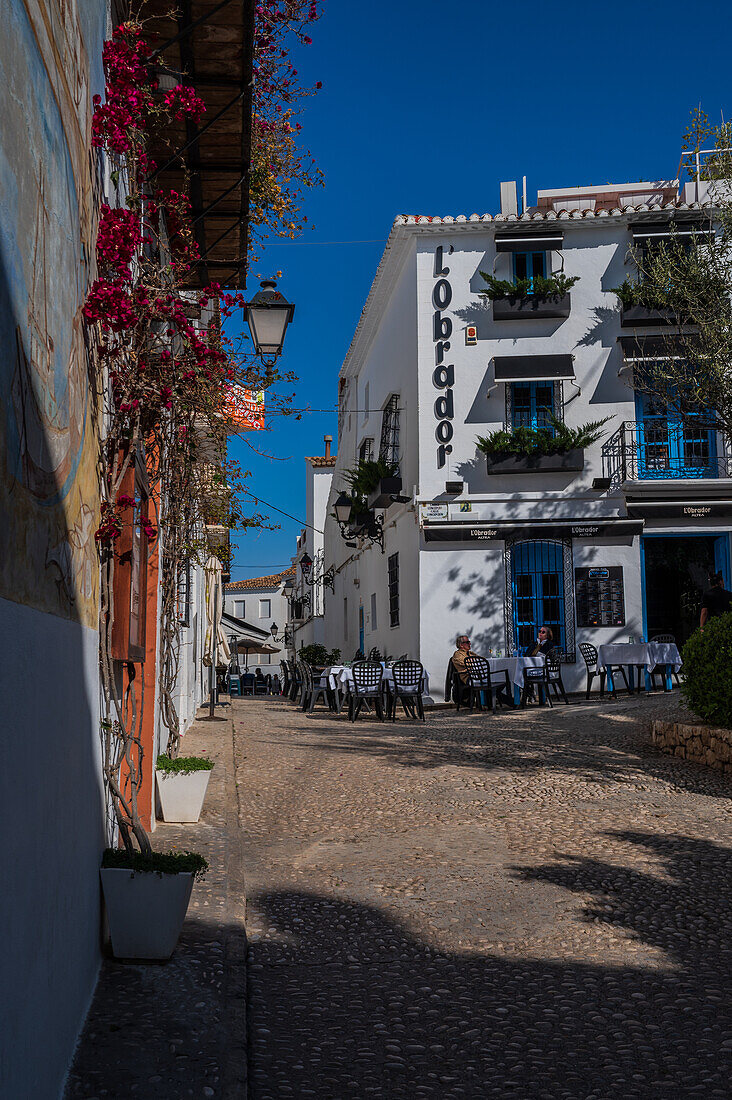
x=183, y=765
x=707, y=684
x=162, y=863
x=317, y=654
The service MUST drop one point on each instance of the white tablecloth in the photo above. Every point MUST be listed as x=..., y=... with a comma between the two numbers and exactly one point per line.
x=641, y=654
x=624, y=653
x=664, y=653
x=514, y=666
x=341, y=677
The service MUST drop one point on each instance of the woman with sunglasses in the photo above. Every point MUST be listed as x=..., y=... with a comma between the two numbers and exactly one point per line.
x=544, y=642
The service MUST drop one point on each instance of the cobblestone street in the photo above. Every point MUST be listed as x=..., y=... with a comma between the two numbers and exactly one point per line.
x=536, y=905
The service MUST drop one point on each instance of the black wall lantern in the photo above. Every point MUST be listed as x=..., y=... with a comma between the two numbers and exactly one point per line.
x=306, y=567
x=268, y=315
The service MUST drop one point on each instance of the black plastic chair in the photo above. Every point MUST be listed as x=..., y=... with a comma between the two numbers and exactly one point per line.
x=375, y=654
x=455, y=689
x=589, y=655
x=479, y=681
x=367, y=686
x=553, y=668
x=660, y=670
x=407, y=688
x=247, y=683
x=296, y=685
x=318, y=686
x=286, y=678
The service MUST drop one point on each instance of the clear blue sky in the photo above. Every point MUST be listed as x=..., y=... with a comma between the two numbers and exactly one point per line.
x=425, y=107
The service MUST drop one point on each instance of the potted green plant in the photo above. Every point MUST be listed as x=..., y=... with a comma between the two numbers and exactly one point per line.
x=374, y=482
x=644, y=304
x=524, y=450
x=182, y=782
x=146, y=897
x=537, y=297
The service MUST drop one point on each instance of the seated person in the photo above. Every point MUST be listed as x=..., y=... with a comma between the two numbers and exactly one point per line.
x=544, y=642
x=458, y=658
x=458, y=663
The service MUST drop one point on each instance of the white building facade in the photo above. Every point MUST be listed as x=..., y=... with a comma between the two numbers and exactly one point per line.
x=311, y=579
x=611, y=542
x=259, y=602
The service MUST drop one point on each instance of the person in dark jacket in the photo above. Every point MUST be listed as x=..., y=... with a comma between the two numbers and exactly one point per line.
x=544, y=642
x=716, y=600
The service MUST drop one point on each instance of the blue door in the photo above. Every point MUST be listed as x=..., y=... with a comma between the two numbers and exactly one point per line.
x=537, y=577
x=360, y=629
x=669, y=446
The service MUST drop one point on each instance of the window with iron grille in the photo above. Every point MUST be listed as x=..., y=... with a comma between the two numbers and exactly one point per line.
x=532, y=404
x=184, y=593
x=539, y=593
x=393, y=566
x=366, y=450
x=389, y=445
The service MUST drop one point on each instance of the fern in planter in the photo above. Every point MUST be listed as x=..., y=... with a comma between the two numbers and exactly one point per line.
x=559, y=439
x=631, y=294
x=363, y=478
x=319, y=655
x=556, y=286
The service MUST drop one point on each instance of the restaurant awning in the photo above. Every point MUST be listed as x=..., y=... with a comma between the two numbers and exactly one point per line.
x=208, y=44
x=547, y=240
x=533, y=368
x=602, y=527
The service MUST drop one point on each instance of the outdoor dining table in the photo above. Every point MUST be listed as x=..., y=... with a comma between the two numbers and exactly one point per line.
x=340, y=679
x=640, y=656
x=515, y=666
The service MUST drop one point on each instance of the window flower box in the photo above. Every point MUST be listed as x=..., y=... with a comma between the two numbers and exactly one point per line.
x=642, y=315
x=503, y=463
x=387, y=489
x=532, y=306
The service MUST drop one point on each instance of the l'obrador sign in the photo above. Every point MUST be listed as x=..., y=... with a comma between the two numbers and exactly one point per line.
x=578, y=529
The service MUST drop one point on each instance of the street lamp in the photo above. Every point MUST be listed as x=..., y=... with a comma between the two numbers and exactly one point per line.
x=268, y=315
x=342, y=508
x=306, y=566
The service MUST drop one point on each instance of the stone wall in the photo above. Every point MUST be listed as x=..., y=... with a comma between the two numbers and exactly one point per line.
x=702, y=744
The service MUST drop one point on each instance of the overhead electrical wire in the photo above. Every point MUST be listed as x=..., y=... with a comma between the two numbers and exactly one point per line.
x=260, y=500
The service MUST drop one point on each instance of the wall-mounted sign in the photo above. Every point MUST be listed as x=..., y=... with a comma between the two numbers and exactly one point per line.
x=434, y=511
x=464, y=532
x=692, y=509
x=471, y=335
x=443, y=376
x=466, y=506
x=600, y=596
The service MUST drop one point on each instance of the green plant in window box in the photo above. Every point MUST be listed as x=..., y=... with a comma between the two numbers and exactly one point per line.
x=363, y=478
x=555, y=286
x=160, y=863
x=556, y=439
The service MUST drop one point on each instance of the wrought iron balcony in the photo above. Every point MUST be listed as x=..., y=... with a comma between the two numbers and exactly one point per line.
x=660, y=449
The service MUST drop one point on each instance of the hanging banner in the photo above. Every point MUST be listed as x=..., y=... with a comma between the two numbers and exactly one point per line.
x=245, y=409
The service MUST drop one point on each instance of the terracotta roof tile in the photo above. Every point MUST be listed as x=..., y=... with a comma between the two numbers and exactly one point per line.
x=274, y=580
x=321, y=461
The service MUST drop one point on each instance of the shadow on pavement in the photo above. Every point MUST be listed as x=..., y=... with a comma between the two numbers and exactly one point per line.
x=344, y=1002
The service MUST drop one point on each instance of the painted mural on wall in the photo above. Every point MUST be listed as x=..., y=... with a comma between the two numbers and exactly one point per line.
x=48, y=478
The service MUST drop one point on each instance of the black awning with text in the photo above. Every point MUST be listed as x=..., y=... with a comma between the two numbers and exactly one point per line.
x=533, y=368
x=601, y=528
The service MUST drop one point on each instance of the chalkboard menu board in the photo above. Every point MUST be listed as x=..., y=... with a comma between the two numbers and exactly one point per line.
x=599, y=595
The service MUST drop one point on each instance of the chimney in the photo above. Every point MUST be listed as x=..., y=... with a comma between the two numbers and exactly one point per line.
x=327, y=439
x=509, y=200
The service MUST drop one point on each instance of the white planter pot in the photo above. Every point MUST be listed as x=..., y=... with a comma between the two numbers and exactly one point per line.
x=145, y=911
x=181, y=796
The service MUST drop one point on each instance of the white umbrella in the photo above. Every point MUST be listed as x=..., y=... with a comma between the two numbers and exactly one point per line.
x=215, y=647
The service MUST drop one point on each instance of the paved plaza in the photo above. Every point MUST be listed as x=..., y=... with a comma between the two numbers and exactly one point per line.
x=531, y=905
